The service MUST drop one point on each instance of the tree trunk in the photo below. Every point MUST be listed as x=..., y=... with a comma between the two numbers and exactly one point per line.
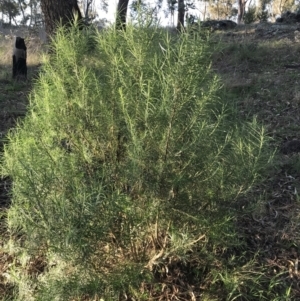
x=181, y=12
x=58, y=12
x=241, y=10
x=87, y=8
x=121, y=14
x=21, y=8
x=30, y=22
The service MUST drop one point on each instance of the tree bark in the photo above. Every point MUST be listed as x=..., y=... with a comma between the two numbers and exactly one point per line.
x=121, y=14
x=59, y=12
x=181, y=12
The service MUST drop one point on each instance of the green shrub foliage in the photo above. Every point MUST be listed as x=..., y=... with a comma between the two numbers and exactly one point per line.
x=128, y=138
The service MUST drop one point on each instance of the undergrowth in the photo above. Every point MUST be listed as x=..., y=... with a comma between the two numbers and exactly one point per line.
x=126, y=171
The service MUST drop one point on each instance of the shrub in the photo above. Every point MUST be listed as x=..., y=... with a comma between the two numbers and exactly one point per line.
x=127, y=161
x=250, y=15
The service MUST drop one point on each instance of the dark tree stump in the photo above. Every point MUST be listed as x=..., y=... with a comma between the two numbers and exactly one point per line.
x=19, y=59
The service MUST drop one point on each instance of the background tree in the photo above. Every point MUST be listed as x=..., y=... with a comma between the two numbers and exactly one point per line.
x=277, y=7
x=182, y=8
x=104, y=4
x=145, y=11
x=59, y=12
x=181, y=13
x=221, y=9
x=121, y=14
x=23, y=5
x=241, y=10
x=263, y=11
x=252, y=14
x=171, y=9
x=36, y=17
x=88, y=9
x=9, y=8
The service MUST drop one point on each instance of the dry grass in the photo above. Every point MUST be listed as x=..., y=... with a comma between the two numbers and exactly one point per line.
x=13, y=103
x=253, y=71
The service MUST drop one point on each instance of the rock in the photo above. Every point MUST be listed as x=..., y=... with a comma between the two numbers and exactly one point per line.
x=289, y=17
x=297, y=36
x=219, y=24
